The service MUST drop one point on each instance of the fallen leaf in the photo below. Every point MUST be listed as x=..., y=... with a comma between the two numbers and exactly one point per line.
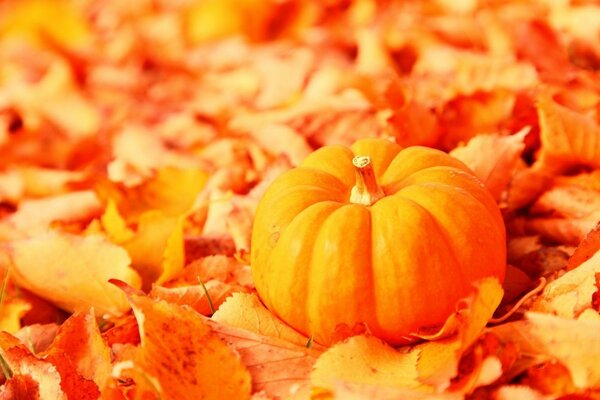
x=22, y=362
x=438, y=361
x=570, y=294
x=168, y=189
x=200, y=298
x=245, y=311
x=574, y=343
x=79, y=340
x=493, y=159
x=184, y=356
x=278, y=368
x=11, y=313
x=366, y=360
x=589, y=246
x=20, y=387
x=568, y=137
x=157, y=249
x=37, y=337
x=35, y=216
x=74, y=277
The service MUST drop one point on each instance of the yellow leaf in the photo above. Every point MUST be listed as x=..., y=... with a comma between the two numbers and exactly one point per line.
x=575, y=343
x=184, y=356
x=11, y=313
x=570, y=294
x=368, y=361
x=170, y=190
x=438, y=361
x=41, y=21
x=114, y=225
x=245, y=311
x=72, y=272
x=157, y=250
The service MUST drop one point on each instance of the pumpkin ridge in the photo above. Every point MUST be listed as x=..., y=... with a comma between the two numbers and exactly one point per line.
x=445, y=236
x=323, y=275
x=273, y=261
x=465, y=193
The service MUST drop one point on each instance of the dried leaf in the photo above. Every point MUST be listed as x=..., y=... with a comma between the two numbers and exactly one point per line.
x=73, y=277
x=79, y=340
x=493, y=159
x=366, y=360
x=245, y=311
x=196, y=296
x=182, y=354
x=278, y=367
x=569, y=295
x=568, y=138
x=22, y=362
x=36, y=216
x=574, y=343
x=157, y=249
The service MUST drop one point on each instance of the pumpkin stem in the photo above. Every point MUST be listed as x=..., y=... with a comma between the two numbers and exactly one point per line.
x=366, y=191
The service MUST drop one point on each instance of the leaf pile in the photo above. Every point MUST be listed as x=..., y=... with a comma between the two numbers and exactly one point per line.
x=137, y=138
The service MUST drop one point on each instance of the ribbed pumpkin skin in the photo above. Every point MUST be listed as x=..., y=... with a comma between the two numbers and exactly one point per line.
x=397, y=266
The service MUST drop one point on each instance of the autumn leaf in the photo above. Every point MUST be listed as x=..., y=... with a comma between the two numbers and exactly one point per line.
x=245, y=311
x=202, y=297
x=22, y=363
x=79, y=340
x=493, y=159
x=183, y=356
x=574, y=343
x=568, y=138
x=368, y=361
x=157, y=249
x=74, y=277
x=36, y=216
x=570, y=294
x=278, y=367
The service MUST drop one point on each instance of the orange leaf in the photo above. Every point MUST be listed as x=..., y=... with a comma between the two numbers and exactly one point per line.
x=589, y=246
x=22, y=362
x=185, y=358
x=79, y=340
x=278, y=367
x=195, y=296
x=493, y=159
x=568, y=138
x=20, y=387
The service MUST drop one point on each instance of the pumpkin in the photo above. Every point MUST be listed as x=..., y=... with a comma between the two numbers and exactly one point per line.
x=377, y=235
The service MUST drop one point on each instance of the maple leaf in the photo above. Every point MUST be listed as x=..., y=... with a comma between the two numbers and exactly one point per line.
x=182, y=355
x=74, y=277
x=493, y=159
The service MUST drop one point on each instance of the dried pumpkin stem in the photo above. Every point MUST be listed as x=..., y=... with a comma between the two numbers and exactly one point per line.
x=366, y=191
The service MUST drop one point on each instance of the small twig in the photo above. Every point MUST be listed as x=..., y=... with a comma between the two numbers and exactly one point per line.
x=210, y=302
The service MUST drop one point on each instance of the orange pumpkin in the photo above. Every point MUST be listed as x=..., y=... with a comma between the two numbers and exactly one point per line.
x=375, y=234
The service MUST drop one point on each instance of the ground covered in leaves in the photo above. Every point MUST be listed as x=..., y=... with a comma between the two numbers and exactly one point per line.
x=137, y=138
